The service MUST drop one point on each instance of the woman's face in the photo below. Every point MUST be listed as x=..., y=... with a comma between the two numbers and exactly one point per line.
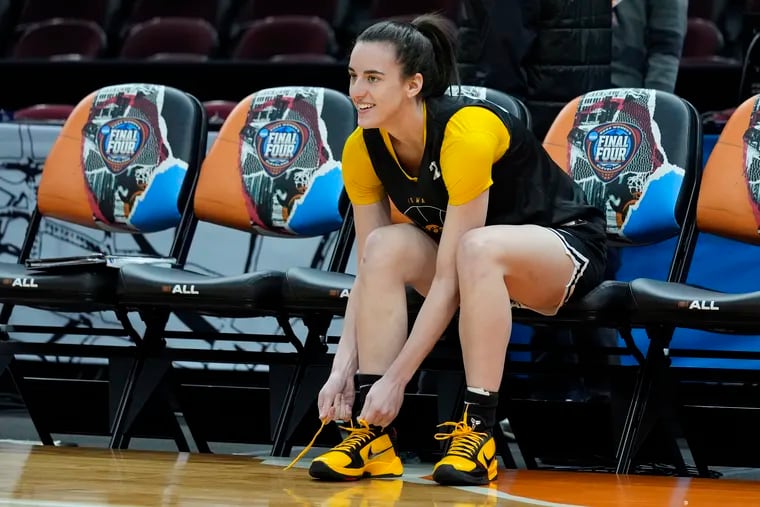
x=377, y=87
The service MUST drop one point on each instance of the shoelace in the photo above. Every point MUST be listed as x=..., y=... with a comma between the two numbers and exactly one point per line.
x=358, y=435
x=465, y=440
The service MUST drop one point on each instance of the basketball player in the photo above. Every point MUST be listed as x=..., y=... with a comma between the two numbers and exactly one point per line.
x=493, y=223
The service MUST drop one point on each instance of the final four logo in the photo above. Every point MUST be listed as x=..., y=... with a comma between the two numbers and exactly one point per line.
x=610, y=148
x=120, y=141
x=280, y=143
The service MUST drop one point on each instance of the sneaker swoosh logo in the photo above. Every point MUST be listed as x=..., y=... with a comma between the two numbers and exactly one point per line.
x=371, y=454
x=488, y=458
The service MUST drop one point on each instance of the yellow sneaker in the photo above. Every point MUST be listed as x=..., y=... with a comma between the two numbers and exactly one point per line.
x=366, y=452
x=470, y=458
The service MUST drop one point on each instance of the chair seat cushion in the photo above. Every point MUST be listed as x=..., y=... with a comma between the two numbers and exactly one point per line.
x=696, y=307
x=88, y=288
x=250, y=294
x=318, y=290
x=609, y=303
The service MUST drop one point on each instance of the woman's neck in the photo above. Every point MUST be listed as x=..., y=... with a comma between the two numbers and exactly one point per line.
x=409, y=127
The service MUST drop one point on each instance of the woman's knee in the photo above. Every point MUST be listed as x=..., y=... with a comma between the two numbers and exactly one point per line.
x=477, y=252
x=385, y=248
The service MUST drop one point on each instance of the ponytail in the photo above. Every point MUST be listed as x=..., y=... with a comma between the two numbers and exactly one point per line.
x=442, y=35
x=426, y=45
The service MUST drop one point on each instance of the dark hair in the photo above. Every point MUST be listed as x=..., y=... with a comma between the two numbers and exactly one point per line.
x=426, y=45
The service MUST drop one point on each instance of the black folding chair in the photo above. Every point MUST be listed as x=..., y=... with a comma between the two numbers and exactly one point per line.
x=125, y=163
x=728, y=206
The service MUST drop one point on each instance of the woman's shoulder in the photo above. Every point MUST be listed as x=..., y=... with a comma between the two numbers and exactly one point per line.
x=355, y=140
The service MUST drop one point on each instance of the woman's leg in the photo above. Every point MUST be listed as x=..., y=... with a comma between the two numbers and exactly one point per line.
x=496, y=266
x=394, y=256
x=499, y=265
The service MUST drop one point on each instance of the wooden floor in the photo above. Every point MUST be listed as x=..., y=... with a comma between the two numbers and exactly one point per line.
x=65, y=476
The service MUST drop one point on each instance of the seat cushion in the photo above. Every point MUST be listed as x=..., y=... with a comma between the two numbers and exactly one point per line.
x=686, y=305
x=317, y=290
x=608, y=304
x=89, y=288
x=250, y=294
x=314, y=290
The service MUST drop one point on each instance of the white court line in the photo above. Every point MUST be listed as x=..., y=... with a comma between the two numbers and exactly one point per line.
x=486, y=491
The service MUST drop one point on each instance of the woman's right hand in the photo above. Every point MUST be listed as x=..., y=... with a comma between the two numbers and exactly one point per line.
x=336, y=398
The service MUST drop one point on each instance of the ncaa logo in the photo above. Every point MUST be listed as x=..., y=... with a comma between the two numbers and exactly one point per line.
x=610, y=148
x=280, y=143
x=120, y=141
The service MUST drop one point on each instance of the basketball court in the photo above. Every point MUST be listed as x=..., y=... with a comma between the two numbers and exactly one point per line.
x=33, y=475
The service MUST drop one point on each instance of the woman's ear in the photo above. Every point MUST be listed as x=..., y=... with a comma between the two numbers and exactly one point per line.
x=414, y=85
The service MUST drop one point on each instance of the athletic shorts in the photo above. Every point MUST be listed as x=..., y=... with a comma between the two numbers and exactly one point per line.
x=587, y=247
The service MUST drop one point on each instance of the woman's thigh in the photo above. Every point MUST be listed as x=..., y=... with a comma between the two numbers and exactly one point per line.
x=540, y=266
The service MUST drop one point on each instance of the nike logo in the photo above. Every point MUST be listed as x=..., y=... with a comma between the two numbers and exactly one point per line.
x=371, y=454
x=486, y=458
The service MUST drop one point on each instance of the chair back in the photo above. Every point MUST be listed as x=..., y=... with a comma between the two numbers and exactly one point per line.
x=275, y=166
x=637, y=155
x=123, y=159
x=729, y=196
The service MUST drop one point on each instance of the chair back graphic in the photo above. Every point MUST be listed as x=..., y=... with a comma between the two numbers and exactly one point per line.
x=635, y=153
x=121, y=160
x=275, y=166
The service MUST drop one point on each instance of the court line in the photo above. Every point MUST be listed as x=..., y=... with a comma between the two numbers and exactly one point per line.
x=486, y=491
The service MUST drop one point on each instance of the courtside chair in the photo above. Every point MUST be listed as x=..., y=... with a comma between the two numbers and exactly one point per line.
x=274, y=170
x=728, y=206
x=636, y=153
x=126, y=162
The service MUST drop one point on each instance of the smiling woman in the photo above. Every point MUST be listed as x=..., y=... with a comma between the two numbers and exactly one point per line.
x=493, y=223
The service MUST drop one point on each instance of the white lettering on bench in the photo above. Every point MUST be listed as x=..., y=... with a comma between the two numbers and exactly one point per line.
x=24, y=282
x=184, y=289
x=345, y=293
x=703, y=305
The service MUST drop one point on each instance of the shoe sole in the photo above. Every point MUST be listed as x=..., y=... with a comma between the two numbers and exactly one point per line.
x=450, y=476
x=321, y=471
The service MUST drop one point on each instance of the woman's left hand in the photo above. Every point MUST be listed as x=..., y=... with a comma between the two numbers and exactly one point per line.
x=383, y=402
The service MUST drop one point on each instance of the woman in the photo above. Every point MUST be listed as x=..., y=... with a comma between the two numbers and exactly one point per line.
x=494, y=224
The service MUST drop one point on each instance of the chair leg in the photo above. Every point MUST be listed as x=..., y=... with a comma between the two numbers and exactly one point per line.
x=145, y=373
x=143, y=379
x=5, y=365
x=294, y=401
x=638, y=410
x=502, y=446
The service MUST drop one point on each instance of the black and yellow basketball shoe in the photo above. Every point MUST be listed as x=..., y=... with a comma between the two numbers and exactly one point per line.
x=471, y=456
x=368, y=451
